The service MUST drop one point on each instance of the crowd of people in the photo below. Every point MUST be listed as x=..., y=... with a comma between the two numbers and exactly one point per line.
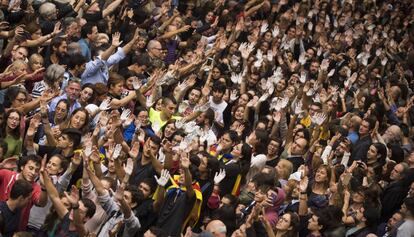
x=286, y=118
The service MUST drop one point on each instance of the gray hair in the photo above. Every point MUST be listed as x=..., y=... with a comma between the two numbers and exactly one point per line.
x=53, y=72
x=47, y=9
x=152, y=44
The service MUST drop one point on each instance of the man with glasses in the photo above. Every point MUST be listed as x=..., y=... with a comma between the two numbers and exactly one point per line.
x=154, y=51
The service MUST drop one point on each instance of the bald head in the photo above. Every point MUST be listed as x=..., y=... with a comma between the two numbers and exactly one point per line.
x=217, y=228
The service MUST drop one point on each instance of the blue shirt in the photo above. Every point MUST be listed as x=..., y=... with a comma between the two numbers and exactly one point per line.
x=97, y=71
x=86, y=51
x=54, y=102
x=353, y=137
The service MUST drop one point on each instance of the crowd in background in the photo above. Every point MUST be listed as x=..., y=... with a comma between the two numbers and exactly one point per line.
x=285, y=118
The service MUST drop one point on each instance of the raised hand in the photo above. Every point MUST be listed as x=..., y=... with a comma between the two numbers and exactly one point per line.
x=164, y=177
x=105, y=105
x=117, y=151
x=264, y=28
x=219, y=176
x=275, y=31
x=125, y=114
x=324, y=65
x=234, y=95
x=136, y=83
x=302, y=58
x=236, y=78
x=116, y=42
x=129, y=166
x=319, y=118
x=303, y=76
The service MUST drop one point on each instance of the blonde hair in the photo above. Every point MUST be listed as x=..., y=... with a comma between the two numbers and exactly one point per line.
x=287, y=168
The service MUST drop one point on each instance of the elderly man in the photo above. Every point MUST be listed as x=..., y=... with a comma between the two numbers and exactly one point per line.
x=154, y=50
x=217, y=228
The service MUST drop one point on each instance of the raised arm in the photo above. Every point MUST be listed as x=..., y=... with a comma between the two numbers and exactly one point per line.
x=111, y=7
x=54, y=195
x=188, y=181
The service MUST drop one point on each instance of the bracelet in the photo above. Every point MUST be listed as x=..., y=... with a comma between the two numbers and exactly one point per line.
x=43, y=189
x=75, y=207
x=303, y=193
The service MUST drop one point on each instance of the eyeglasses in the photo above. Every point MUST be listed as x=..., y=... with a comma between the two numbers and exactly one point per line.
x=157, y=48
x=14, y=119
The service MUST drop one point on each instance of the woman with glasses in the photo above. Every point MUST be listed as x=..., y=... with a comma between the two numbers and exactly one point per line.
x=10, y=132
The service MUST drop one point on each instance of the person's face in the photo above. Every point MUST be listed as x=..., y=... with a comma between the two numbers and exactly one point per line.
x=238, y=114
x=314, y=109
x=73, y=90
x=216, y=73
x=203, y=164
x=321, y=175
x=93, y=36
x=396, y=172
x=20, y=54
x=298, y=146
x=397, y=217
x=169, y=110
x=194, y=96
x=150, y=147
x=361, y=80
x=72, y=29
x=145, y=189
x=13, y=120
x=143, y=117
x=268, y=37
x=63, y=48
x=82, y=212
x=19, y=101
x=358, y=198
x=313, y=224
x=158, y=105
x=117, y=89
x=314, y=67
x=291, y=33
x=36, y=63
x=209, y=17
x=264, y=46
x=341, y=149
x=63, y=141
x=243, y=99
x=225, y=142
x=61, y=111
x=53, y=167
x=331, y=106
x=372, y=153
x=364, y=128
x=259, y=196
x=156, y=51
x=37, y=34
x=169, y=130
x=272, y=148
x=217, y=96
x=253, y=79
x=111, y=165
x=411, y=191
x=86, y=94
x=284, y=223
x=280, y=86
x=78, y=120
x=30, y=171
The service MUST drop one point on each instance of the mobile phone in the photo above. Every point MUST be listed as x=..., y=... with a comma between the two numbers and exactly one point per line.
x=209, y=63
